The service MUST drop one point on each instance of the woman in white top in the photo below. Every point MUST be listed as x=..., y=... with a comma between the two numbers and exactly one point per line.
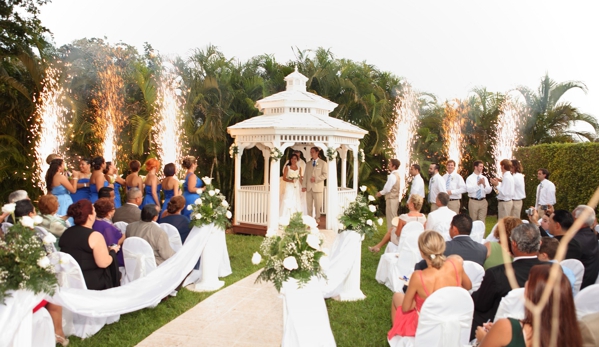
x=393, y=233
x=291, y=200
x=519, y=192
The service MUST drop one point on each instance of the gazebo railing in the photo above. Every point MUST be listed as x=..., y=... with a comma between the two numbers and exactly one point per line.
x=253, y=205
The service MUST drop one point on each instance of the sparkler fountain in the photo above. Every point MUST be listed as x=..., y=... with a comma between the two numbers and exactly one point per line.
x=452, y=129
x=110, y=121
x=507, y=133
x=403, y=131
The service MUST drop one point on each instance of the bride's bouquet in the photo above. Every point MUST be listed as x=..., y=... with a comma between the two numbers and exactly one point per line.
x=293, y=176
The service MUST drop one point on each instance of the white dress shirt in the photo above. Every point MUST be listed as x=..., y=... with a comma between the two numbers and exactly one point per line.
x=436, y=185
x=505, y=189
x=519, y=193
x=473, y=188
x=391, y=180
x=417, y=186
x=457, y=186
x=546, y=193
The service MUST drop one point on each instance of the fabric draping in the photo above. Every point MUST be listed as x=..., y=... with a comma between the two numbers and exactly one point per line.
x=343, y=273
x=16, y=319
x=214, y=263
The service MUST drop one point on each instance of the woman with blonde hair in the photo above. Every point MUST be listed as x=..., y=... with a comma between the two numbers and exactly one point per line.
x=441, y=272
x=494, y=255
x=394, y=232
x=151, y=183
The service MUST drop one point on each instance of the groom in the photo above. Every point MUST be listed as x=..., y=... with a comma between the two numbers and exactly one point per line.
x=313, y=183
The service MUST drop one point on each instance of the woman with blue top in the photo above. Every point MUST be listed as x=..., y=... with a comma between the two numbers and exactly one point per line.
x=151, y=183
x=133, y=180
x=192, y=188
x=97, y=181
x=170, y=185
x=111, y=175
x=80, y=180
x=59, y=185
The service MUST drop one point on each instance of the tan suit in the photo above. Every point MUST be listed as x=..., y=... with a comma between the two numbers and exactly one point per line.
x=127, y=213
x=589, y=325
x=314, y=189
x=155, y=236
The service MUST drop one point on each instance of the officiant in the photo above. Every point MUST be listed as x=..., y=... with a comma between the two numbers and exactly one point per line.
x=313, y=184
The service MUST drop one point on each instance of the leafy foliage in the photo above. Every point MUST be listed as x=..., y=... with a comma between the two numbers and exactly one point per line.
x=211, y=207
x=359, y=216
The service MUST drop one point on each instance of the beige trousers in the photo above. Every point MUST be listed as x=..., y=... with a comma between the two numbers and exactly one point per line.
x=434, y=207
x=454, y=206
x=516, y=209
x=314, y=200
x=478, y=209
x=391, y=210
x=504, y=209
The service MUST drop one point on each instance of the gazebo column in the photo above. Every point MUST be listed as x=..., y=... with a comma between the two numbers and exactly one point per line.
x=273, y=196
x=343, y=154
x=355, y=180
x=332, y=196
x=238, y=180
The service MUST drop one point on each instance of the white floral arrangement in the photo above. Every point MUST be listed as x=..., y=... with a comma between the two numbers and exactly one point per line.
x=297, y=253
x=331, y=153
x=294, y=176
x=233, y=150
x=361, y=156
x=210, y=207
x=276, y=154
x=360, y=216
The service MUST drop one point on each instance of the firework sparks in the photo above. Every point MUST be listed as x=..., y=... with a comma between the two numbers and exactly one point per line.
x=110, y=121
x=452, y=129
x=507, y=132
x=402, y=133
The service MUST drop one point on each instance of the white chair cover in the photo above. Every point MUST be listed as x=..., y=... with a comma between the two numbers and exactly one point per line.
x=343, y=273
x=511, y=305
x=475, y=272
x=587, y=301
x=394, y=266
x=214, y=263
x=578, y=268
x=391, y=248
x=122, y=226
x=17, y=321
x=68, y=274
x=43, y=329
x=306, y=320
x=5, y=226
x=174, y=238
x=443, y=229
x=478, y=231
x=444, y=321
x=139, y=258
x=41, y=233
x=491, y=237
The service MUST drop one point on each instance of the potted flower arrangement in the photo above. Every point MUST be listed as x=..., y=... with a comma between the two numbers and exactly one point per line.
x=359, y=216
x=210, y=207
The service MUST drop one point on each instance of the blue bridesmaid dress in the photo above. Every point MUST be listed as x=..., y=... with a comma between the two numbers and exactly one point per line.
x=168, y=194
x=117, y=195
x=190, y=198
x=93, y=197
x=83, y=192
x=148, y=198
x=64, y=199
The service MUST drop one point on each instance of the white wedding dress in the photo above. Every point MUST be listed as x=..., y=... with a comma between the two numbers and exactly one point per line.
x=291, y=201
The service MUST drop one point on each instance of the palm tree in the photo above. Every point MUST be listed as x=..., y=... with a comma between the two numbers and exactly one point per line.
x=549, y=120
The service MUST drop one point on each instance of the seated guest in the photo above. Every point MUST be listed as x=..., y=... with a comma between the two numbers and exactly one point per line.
x=512, y=332
x=106, y=192
x=440, y=219
x=559, y=223
x=525, y=242
x=542, y=223
x=173, y=216
x=461, y=244
x=441, y=272
x=590, y=252
x=494, y=254
x=414, y=215
x=48, y=206
x=104, y=211
x=151, y=232
x=12, y=198
x=547, y=253
x=130, y=211
x=88, y=247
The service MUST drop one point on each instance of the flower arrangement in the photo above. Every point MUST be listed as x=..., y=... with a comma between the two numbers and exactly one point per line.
x=331, y=153
x=295, y=254
x=210, y=207
x=233, y=150
x=276, y=154
x=361, y=156
x=293, y=176
x=359, y=216
x=23, y=260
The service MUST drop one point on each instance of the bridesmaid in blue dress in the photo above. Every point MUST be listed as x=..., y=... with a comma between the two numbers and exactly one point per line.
x=111, y=175
x=152, y=187
x=97, y=181
x=80, y=180
x=192, y=188
x=170, y=186
x=59, y=185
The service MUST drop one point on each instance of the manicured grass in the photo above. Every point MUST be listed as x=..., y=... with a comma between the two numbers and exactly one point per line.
x=133, y=327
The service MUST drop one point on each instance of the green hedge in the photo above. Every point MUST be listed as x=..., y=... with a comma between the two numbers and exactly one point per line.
x=573, y=168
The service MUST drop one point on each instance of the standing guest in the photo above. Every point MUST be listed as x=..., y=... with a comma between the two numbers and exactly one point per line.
x=151, y=232
x=151, y=183
x=133, y=180
x=193, y=186
x=417, y=181
x=590, y=250
x=478, y=187
x=97, y=180
x=545, y=192
x=440, y=219
x=505, y=188
x=519, y=192
x=104, y=212
x=436, y=185
x=59, y=185
x=512, y=332
x=48, y=206
x=170, y=185
x=173, y=216
x=494, y=256
x=88, y=247
x=455, y=186
x=313, y=183
x=391, y=191
x=111, y=175
x=130, y=211
x=559, y=223
x=81, y=180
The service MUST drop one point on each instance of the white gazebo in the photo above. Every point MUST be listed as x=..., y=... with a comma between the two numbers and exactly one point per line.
x=298, y=119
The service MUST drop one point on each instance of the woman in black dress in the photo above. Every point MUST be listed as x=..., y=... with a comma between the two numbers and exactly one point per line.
x=88, y=247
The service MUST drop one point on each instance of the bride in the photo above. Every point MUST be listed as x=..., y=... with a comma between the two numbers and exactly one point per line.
x=291, y=201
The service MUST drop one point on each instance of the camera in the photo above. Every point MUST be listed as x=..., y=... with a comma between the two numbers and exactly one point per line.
x=530, y=211
x=544, y=207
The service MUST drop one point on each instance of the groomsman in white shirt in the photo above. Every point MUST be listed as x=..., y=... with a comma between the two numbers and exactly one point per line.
x=519, y=191
x=478, y=187
x=436, y=185
x=455, y=186
x=505, y=189
x=417, y=181
x=545, y=192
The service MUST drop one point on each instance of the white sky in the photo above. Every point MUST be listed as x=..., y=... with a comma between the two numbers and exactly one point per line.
x=446, y=47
